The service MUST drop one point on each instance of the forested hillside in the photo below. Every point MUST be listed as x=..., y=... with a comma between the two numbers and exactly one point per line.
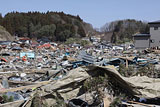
x=123, y=30
x=53, y=25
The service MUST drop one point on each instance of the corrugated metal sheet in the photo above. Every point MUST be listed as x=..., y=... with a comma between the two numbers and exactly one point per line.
x=86, y=57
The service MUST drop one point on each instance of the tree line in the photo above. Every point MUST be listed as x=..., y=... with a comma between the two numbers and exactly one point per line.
x=123, y=30
x=56, y=26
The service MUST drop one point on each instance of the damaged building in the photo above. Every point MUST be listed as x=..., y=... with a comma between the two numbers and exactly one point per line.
x=142, y=41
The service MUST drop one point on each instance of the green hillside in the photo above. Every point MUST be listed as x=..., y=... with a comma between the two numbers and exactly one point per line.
x=56, y=26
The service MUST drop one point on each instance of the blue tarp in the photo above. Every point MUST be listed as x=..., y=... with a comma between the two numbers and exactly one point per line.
x=28, y=54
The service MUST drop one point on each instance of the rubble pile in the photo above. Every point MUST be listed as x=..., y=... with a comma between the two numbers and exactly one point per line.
x=39, y=74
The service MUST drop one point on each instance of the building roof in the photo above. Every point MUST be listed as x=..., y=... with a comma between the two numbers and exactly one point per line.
x=24, y=38
x=155, y=22
x=45, y=46
x=141, y=35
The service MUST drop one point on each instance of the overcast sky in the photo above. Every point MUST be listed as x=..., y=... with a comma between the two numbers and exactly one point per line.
x=96, y=12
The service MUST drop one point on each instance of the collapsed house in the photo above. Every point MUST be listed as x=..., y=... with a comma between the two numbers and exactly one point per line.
x=71, y=86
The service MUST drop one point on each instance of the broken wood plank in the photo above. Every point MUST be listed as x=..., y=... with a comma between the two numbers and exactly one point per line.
x=106, y=102
x=8, y=72
x=17, y=103
x=25, y=87
x=148, y=105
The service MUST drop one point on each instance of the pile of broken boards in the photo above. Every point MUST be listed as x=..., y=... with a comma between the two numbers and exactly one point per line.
x=68, y=90
x=17, y=87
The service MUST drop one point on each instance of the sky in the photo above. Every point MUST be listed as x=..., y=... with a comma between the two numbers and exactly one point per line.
x=95, y=12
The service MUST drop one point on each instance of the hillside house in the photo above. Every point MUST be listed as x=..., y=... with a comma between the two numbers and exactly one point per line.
x=155, y=33
x=142, y=41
